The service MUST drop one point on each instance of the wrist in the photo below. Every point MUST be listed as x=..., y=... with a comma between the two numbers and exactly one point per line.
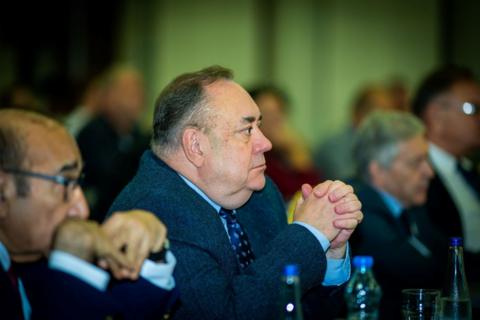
x=75, y=243
x=337, y=253
x=80, y=253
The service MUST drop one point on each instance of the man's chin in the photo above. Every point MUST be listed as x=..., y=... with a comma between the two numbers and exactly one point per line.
x=30, y=256
x=258, y=184
x=420, y=200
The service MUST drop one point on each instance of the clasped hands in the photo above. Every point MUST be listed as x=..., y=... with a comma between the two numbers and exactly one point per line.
x=333, y=209
x=120, y=244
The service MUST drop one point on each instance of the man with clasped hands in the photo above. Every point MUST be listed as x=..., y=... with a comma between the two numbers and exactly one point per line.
x=204, y=178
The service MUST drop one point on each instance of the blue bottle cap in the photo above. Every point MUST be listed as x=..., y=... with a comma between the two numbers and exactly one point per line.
x=363, y=261
x=456, y=242
x=290, y=270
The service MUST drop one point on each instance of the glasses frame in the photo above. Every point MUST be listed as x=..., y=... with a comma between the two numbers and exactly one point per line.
x=67, y=183
x=470, y=109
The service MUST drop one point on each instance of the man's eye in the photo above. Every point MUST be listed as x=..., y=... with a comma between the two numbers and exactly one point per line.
x=248, y=131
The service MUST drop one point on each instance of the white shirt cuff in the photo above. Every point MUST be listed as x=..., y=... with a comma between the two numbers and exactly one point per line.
x=76, y=267
x=160, y=274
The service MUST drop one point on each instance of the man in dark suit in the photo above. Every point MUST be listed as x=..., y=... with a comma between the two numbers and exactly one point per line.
x=43, y=212
x=448, y=102
x=111, y=143
x=391, y=154
x=205, y=178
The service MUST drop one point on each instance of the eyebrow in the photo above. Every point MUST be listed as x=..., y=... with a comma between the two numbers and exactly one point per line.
x=69, y=167
x=251, y=119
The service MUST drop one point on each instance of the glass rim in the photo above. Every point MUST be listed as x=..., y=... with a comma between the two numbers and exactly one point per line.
x=420, y=290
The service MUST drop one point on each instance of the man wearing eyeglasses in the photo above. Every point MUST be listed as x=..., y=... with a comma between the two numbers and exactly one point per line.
x=448, y=101
x=393, y=172
x=43, y=213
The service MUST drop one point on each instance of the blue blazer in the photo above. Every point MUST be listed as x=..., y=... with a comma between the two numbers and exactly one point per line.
x=211, y=284
x=57, y=295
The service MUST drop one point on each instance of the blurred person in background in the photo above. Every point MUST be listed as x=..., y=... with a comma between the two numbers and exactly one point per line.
x=112, y=143
x=391, y=155
x=334, y=156
x=290, y=163
x=20, y=96
x=43, y=215
x=89, y=106
x=448, y=102
x=399, y=93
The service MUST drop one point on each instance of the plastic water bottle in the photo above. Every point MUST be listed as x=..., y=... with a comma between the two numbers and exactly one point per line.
x=455, y=302
x=290, y=301
x=363, y=293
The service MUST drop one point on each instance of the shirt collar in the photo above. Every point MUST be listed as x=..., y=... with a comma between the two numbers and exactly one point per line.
x=441, y=159
x=4, y=257
x=393, y=205
x=216, y=206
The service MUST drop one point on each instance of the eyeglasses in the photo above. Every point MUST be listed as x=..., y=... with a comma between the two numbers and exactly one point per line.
x=69, y=184
x=470, y=109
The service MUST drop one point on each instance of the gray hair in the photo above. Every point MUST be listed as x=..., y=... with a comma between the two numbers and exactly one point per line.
x=183, y=104
x=379, y=136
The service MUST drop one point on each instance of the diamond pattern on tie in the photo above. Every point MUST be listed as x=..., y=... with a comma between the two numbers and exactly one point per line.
x=238, y=238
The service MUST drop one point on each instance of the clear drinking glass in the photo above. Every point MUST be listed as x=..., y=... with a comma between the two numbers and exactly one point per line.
x=420, y=304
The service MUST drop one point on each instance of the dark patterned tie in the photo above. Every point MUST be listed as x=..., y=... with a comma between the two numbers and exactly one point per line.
x=238, y=238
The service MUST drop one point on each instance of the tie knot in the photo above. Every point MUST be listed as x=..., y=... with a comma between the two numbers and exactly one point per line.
x=227, y=214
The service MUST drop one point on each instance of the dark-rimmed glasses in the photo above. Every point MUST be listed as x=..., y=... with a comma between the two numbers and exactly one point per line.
x=69, y=184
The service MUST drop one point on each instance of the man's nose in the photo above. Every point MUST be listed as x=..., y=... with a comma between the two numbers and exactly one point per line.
x=262, y=144
x=78, y=204
x=427, y=169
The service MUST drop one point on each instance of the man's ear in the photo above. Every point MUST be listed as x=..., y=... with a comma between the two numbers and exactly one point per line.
x=193, y=141
x=376, y=173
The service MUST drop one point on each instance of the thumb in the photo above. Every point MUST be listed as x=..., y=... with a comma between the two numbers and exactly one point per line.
x=306, y=191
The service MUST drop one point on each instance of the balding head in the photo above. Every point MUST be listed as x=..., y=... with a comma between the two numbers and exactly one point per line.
x=15, y=126
x=370, y=98
x=123, y=97
x=39, y=168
